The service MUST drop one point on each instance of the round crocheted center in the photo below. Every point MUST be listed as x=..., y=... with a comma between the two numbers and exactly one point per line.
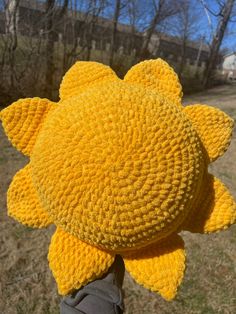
x=117, y=166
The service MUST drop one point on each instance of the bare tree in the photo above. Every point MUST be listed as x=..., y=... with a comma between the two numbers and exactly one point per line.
x=52, y=14
x=71, y=43
x=49, y=13
x=185, y=25
x=135, y=14
x=19, y=54
x=96, y=7
x=114, y=30
x=160, y=11
x=80, y=23
x=224, y=15
x=12, y=31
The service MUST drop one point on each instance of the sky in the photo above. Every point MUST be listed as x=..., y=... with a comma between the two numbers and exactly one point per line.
x=230, y=36
x=207, y=22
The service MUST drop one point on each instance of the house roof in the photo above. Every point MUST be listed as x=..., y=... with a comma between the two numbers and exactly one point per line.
x=229, y=54
x=39, y=5
x=177, y=40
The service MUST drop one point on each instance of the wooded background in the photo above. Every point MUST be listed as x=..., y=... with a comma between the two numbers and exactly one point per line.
x=36, y=50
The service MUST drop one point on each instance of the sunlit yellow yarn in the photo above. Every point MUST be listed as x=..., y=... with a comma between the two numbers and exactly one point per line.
x=216, y=208
x=24, y=204
x=123, y=165
x=160, y=266
x=84, y=75
x=75, y=263
x=119, y=167
x=213, y=126
x=158, y=76
x=23, y=121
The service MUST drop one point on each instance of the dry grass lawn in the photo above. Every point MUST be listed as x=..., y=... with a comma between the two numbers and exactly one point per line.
x=209, y=286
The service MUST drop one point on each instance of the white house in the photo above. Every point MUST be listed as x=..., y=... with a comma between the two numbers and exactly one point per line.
x=229, y=66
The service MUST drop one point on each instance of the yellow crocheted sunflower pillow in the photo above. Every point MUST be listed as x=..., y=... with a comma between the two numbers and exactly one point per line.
x=120, y=167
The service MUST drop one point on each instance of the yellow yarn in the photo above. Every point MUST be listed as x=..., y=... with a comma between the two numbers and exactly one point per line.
x=158, y=76
x=74, y=263
x=216, y=208
x=213, y=126
x=23, y=121
x=120, y=155
x=161, y=266
x=24, y=203
x=84, y=75
x=119, y=167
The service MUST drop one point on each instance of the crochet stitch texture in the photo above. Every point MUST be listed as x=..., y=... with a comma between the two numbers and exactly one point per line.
x=120, y=167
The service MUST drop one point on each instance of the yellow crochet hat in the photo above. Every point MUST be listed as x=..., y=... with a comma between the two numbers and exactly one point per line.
x=120, y=167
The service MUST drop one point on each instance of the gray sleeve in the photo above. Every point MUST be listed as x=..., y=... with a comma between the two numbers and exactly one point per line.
x=102, y=296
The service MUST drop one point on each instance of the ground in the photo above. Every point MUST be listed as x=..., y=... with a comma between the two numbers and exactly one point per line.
x=209, y=286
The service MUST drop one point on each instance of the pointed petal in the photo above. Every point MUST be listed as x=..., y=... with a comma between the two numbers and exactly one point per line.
x=216, y=211
x=159, y=76
x=83, y=75
x=213, y=126
x=23, y=202
x=159, y=267
x=23, y=119
x=75, y=263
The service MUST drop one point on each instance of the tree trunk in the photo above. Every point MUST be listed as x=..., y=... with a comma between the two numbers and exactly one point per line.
x=51, y=14
x=216, y=42
x=49, y=48
x=90, y=30
x=146, y=41
x=182, y=58
x=114, y=31
x=12, y=30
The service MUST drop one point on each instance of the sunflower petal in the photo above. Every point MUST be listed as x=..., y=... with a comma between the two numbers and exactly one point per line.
x=75, y=263
x=23, y=119
x=217, y=210
x=23, y=202
x=83, y=75
x=159, y=267
x=159, y=76
x=213, y=126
